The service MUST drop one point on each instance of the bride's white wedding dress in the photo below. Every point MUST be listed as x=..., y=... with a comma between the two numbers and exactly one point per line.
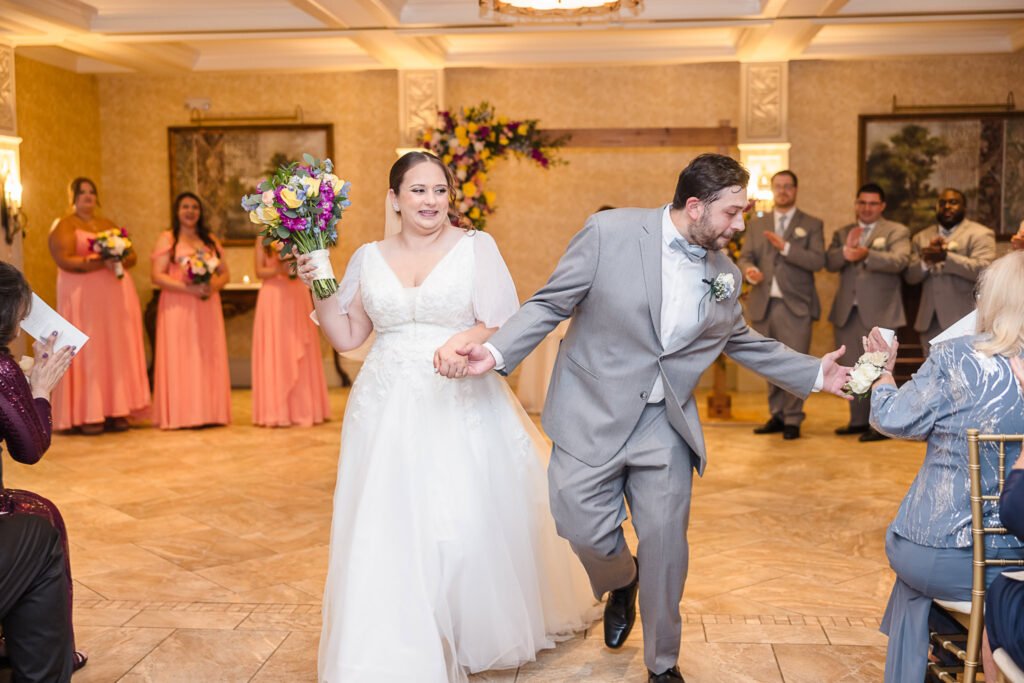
x=444, y=558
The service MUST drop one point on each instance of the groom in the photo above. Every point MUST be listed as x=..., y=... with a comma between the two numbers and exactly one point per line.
x=653, y=303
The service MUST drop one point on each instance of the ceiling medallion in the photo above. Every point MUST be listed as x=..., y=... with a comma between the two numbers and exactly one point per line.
x=557, y=10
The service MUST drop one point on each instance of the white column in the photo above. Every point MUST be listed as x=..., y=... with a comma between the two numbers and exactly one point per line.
x=764, y=137
x=420, y=96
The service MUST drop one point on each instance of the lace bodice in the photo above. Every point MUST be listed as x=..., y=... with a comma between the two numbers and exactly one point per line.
x=444, y=299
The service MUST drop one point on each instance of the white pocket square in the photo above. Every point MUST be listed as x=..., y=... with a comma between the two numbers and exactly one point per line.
x=879, y=243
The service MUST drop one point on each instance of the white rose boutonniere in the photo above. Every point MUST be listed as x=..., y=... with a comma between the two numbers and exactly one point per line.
x=866, y=370
x=952, y=245
x=722, y=286
x=799, y=232
x=879, y=243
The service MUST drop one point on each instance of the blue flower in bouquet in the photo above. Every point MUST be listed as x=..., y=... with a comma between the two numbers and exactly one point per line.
x=251, y=202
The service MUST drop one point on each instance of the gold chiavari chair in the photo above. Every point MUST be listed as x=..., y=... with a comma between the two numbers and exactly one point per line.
x=972, y=614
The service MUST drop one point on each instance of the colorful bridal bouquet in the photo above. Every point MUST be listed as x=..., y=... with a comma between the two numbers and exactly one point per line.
x=472, y=139
x=868, y=368
x=112, y=243
x=200, y=266
x=300, y=205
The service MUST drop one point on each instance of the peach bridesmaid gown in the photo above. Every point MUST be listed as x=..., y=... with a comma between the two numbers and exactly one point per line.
x=288, y=385
x=108, y=376
x=191, y=381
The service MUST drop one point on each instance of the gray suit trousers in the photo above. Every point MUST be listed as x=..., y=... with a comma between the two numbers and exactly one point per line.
x=851, y=334
x=653, y=471
x=795, y=332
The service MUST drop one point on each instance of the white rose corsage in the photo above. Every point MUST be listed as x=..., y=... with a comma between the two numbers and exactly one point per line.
x=722, y=286
x=799, y=232
x=879, y=243
x=868, y=368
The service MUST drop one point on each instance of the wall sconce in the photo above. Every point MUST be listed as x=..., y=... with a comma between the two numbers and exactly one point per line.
x=11, y=218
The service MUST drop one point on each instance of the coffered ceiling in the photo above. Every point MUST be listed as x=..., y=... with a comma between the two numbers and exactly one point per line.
x=176, y=36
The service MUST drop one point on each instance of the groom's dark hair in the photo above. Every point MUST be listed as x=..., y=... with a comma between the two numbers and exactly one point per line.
x=707, y=176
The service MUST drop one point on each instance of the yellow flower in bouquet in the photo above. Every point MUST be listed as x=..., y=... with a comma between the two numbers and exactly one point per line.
x=312, y=186
x=290, y=197
x=469, y=189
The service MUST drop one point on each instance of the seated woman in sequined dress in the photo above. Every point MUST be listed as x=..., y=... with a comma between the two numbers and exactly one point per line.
x=35, y=572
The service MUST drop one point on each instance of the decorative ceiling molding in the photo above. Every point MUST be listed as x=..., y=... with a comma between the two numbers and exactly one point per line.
x=315, y=35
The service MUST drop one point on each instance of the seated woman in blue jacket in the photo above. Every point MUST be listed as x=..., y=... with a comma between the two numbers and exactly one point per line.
x=965, y=383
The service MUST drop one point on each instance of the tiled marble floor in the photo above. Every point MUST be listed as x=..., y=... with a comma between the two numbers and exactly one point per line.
x=200, y=555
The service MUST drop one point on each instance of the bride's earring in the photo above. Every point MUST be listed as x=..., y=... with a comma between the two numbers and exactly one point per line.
x=395, y=207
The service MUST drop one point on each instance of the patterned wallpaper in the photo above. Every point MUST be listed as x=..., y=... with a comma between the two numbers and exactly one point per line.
x=59, y=123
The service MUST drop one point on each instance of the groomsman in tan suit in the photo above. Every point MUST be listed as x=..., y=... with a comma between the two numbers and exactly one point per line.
x=870, y=256
x=781, y=252
x=947, y=258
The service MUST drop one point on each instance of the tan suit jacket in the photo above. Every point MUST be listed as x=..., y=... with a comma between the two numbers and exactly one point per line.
x=874, y=282
x=948, y=287
x=794, y=271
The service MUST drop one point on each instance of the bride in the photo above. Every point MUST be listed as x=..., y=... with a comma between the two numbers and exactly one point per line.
x=443, y=559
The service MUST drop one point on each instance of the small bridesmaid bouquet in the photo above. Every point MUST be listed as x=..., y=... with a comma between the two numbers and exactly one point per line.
x=112, y=244
x=200, y=267
x=300, y=205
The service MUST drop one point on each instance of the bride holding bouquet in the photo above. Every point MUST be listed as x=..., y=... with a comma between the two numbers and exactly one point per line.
x=191, y=382
x=443, y=559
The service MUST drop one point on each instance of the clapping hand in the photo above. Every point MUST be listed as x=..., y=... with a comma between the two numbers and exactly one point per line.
x=754, y=275
x=834, y=375
x=49, y=366
x=1017, y=241
x=852, y=250
x=935, y=252
x=775, y=240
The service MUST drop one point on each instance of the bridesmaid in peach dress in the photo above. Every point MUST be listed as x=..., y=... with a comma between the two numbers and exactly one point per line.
x=107, y=382
x=293, y=392
x=191, y=382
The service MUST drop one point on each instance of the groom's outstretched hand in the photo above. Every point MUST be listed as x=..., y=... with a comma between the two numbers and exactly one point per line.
x=835, y=376
x=480, y=359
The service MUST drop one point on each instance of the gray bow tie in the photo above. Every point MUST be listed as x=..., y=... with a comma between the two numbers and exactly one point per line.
x=690, y=251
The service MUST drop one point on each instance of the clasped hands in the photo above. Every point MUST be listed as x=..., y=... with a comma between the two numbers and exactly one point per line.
x=456, y=360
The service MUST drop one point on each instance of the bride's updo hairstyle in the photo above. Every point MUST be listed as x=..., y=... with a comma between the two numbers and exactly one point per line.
x=397, y=175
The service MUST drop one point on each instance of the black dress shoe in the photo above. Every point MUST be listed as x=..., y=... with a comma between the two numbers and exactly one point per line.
x=620, y=612
x=852, y=429
x=770, y=427
x=790, y=432
x=665, y=676
x=872, y=435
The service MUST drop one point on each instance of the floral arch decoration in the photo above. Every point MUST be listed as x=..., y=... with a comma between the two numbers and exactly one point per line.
x=472, y=140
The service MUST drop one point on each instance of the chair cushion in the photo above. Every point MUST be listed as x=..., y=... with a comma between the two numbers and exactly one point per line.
x=1007, y=666
x=964, y=607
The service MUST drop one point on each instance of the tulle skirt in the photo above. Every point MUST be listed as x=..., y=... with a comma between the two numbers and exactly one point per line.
x=444, y=558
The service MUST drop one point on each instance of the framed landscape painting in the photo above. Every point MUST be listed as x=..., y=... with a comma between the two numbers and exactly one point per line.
x=915, y=156
x=222, y=163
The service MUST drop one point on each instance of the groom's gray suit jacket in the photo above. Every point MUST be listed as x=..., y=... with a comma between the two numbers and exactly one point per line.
x=609, y=281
